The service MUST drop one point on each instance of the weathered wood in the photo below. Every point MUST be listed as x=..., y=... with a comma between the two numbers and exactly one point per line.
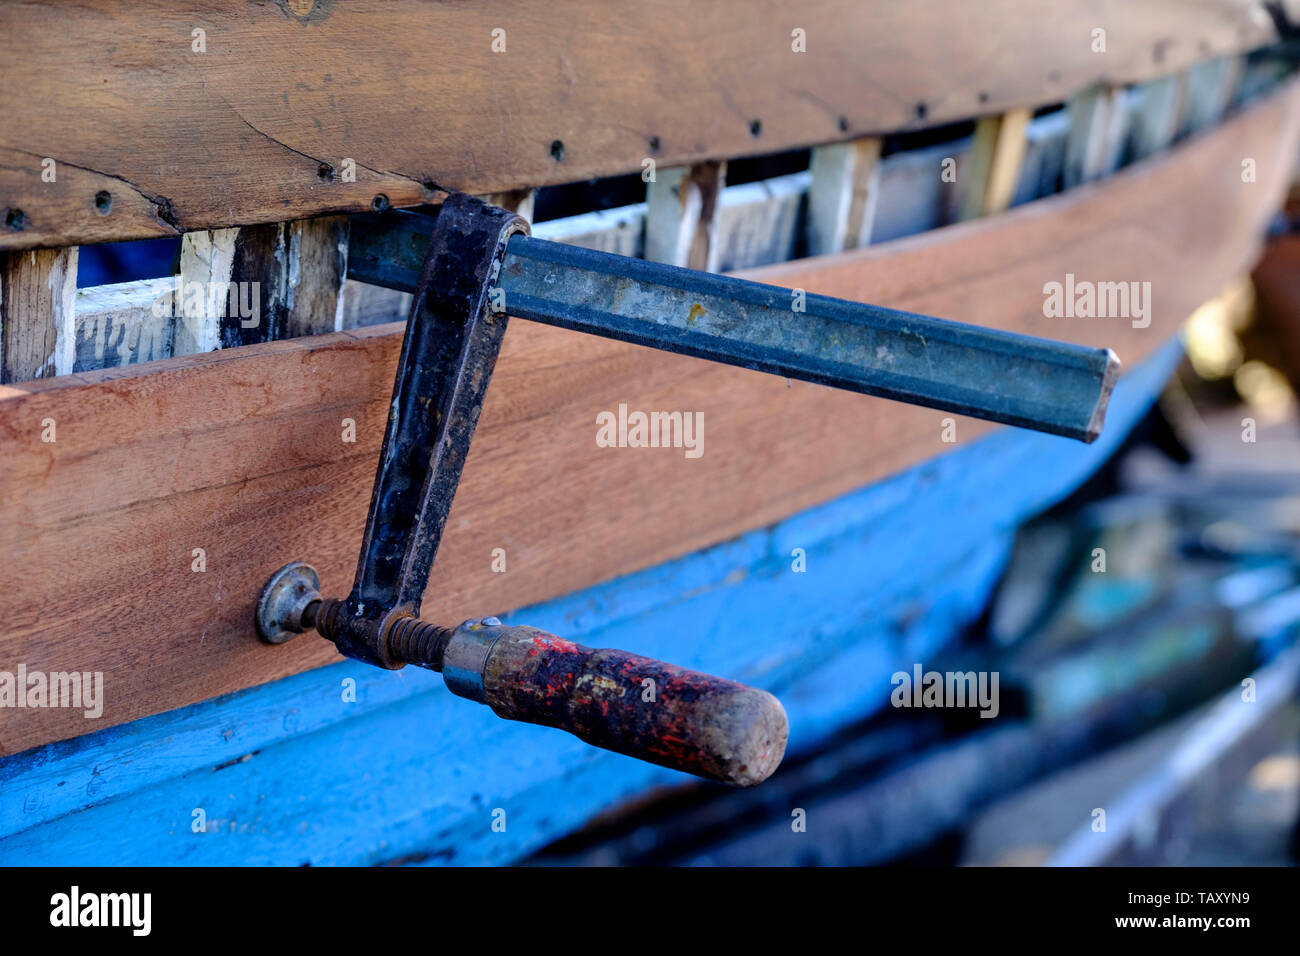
x=1156, y=116
x=363, y=304
x=125, y=323
x=207, y=261
x=620, y=231
x=682, y=210
x=299, y=267
x=274, y=114
x=38, y=291
x=518, y=201
x=317, y=269
x=243, y=453
x=989, y=177
x=918, y=189
x=757, y=225
x=758, y=222
x=842, y=199
x=1040, y=170
x=258, y=286
x=1210, y=87
x=261, y=283
x=1095, y=142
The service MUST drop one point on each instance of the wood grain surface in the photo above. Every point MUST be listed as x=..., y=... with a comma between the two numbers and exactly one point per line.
x=38, y=291
x=279, y=110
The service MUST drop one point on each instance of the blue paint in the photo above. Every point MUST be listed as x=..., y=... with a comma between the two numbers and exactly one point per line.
x=111, y=262
x=288, y=773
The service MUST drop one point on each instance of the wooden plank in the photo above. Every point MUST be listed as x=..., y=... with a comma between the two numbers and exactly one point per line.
x=243, y=453
x=256, y=302
x=317, y=269
x=124, y=324
x=842, y=199
x=273, y=114
x=1095, y=142
x=1210, y=88
x=364, y=304
x=919, y=189
x=261, y=283
x=989, y=177
x=1156, y=116
x=299, y=269
x=620, y=230
x=38, y=291
x=682, y=210
x=916, y=191
x=207, y=262
x=518, y=201
x=758, y=222
x=1040, y=170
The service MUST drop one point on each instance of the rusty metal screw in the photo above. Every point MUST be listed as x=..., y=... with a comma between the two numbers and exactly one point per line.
x=409, y=639
x=418, y=642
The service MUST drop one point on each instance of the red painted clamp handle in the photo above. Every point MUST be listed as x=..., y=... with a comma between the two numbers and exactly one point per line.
x=633, y=705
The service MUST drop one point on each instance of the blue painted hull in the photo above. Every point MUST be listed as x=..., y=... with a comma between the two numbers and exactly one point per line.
x=292, y=772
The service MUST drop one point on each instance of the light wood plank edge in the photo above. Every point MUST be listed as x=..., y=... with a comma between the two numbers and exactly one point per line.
x=38, y=289
x=989, y=180
x=620, y=230
x=682, y=215
x=125, y=323
x=1094, y=144
x=759, y=223
x=207, y=264
x=1156, y=117
x=842, y=198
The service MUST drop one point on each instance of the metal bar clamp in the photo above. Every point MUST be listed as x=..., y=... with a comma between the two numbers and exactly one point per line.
x=475, y=263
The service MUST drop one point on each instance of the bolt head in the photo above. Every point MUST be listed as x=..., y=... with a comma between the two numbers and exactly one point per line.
x=284, y=599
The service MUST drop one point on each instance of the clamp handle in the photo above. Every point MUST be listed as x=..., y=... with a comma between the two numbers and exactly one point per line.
x=633, y=705
x=644, y=708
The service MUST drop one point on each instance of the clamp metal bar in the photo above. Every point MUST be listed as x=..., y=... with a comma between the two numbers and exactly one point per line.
x=1021, y=380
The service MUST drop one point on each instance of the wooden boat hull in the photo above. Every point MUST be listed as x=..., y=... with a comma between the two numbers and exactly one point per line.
x=820, y=543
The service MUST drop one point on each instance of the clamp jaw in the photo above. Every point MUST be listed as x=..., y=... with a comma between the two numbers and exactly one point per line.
x=448, y=354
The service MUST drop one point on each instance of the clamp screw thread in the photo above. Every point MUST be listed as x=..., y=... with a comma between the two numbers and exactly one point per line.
x=413, y=641
x=324, y=616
